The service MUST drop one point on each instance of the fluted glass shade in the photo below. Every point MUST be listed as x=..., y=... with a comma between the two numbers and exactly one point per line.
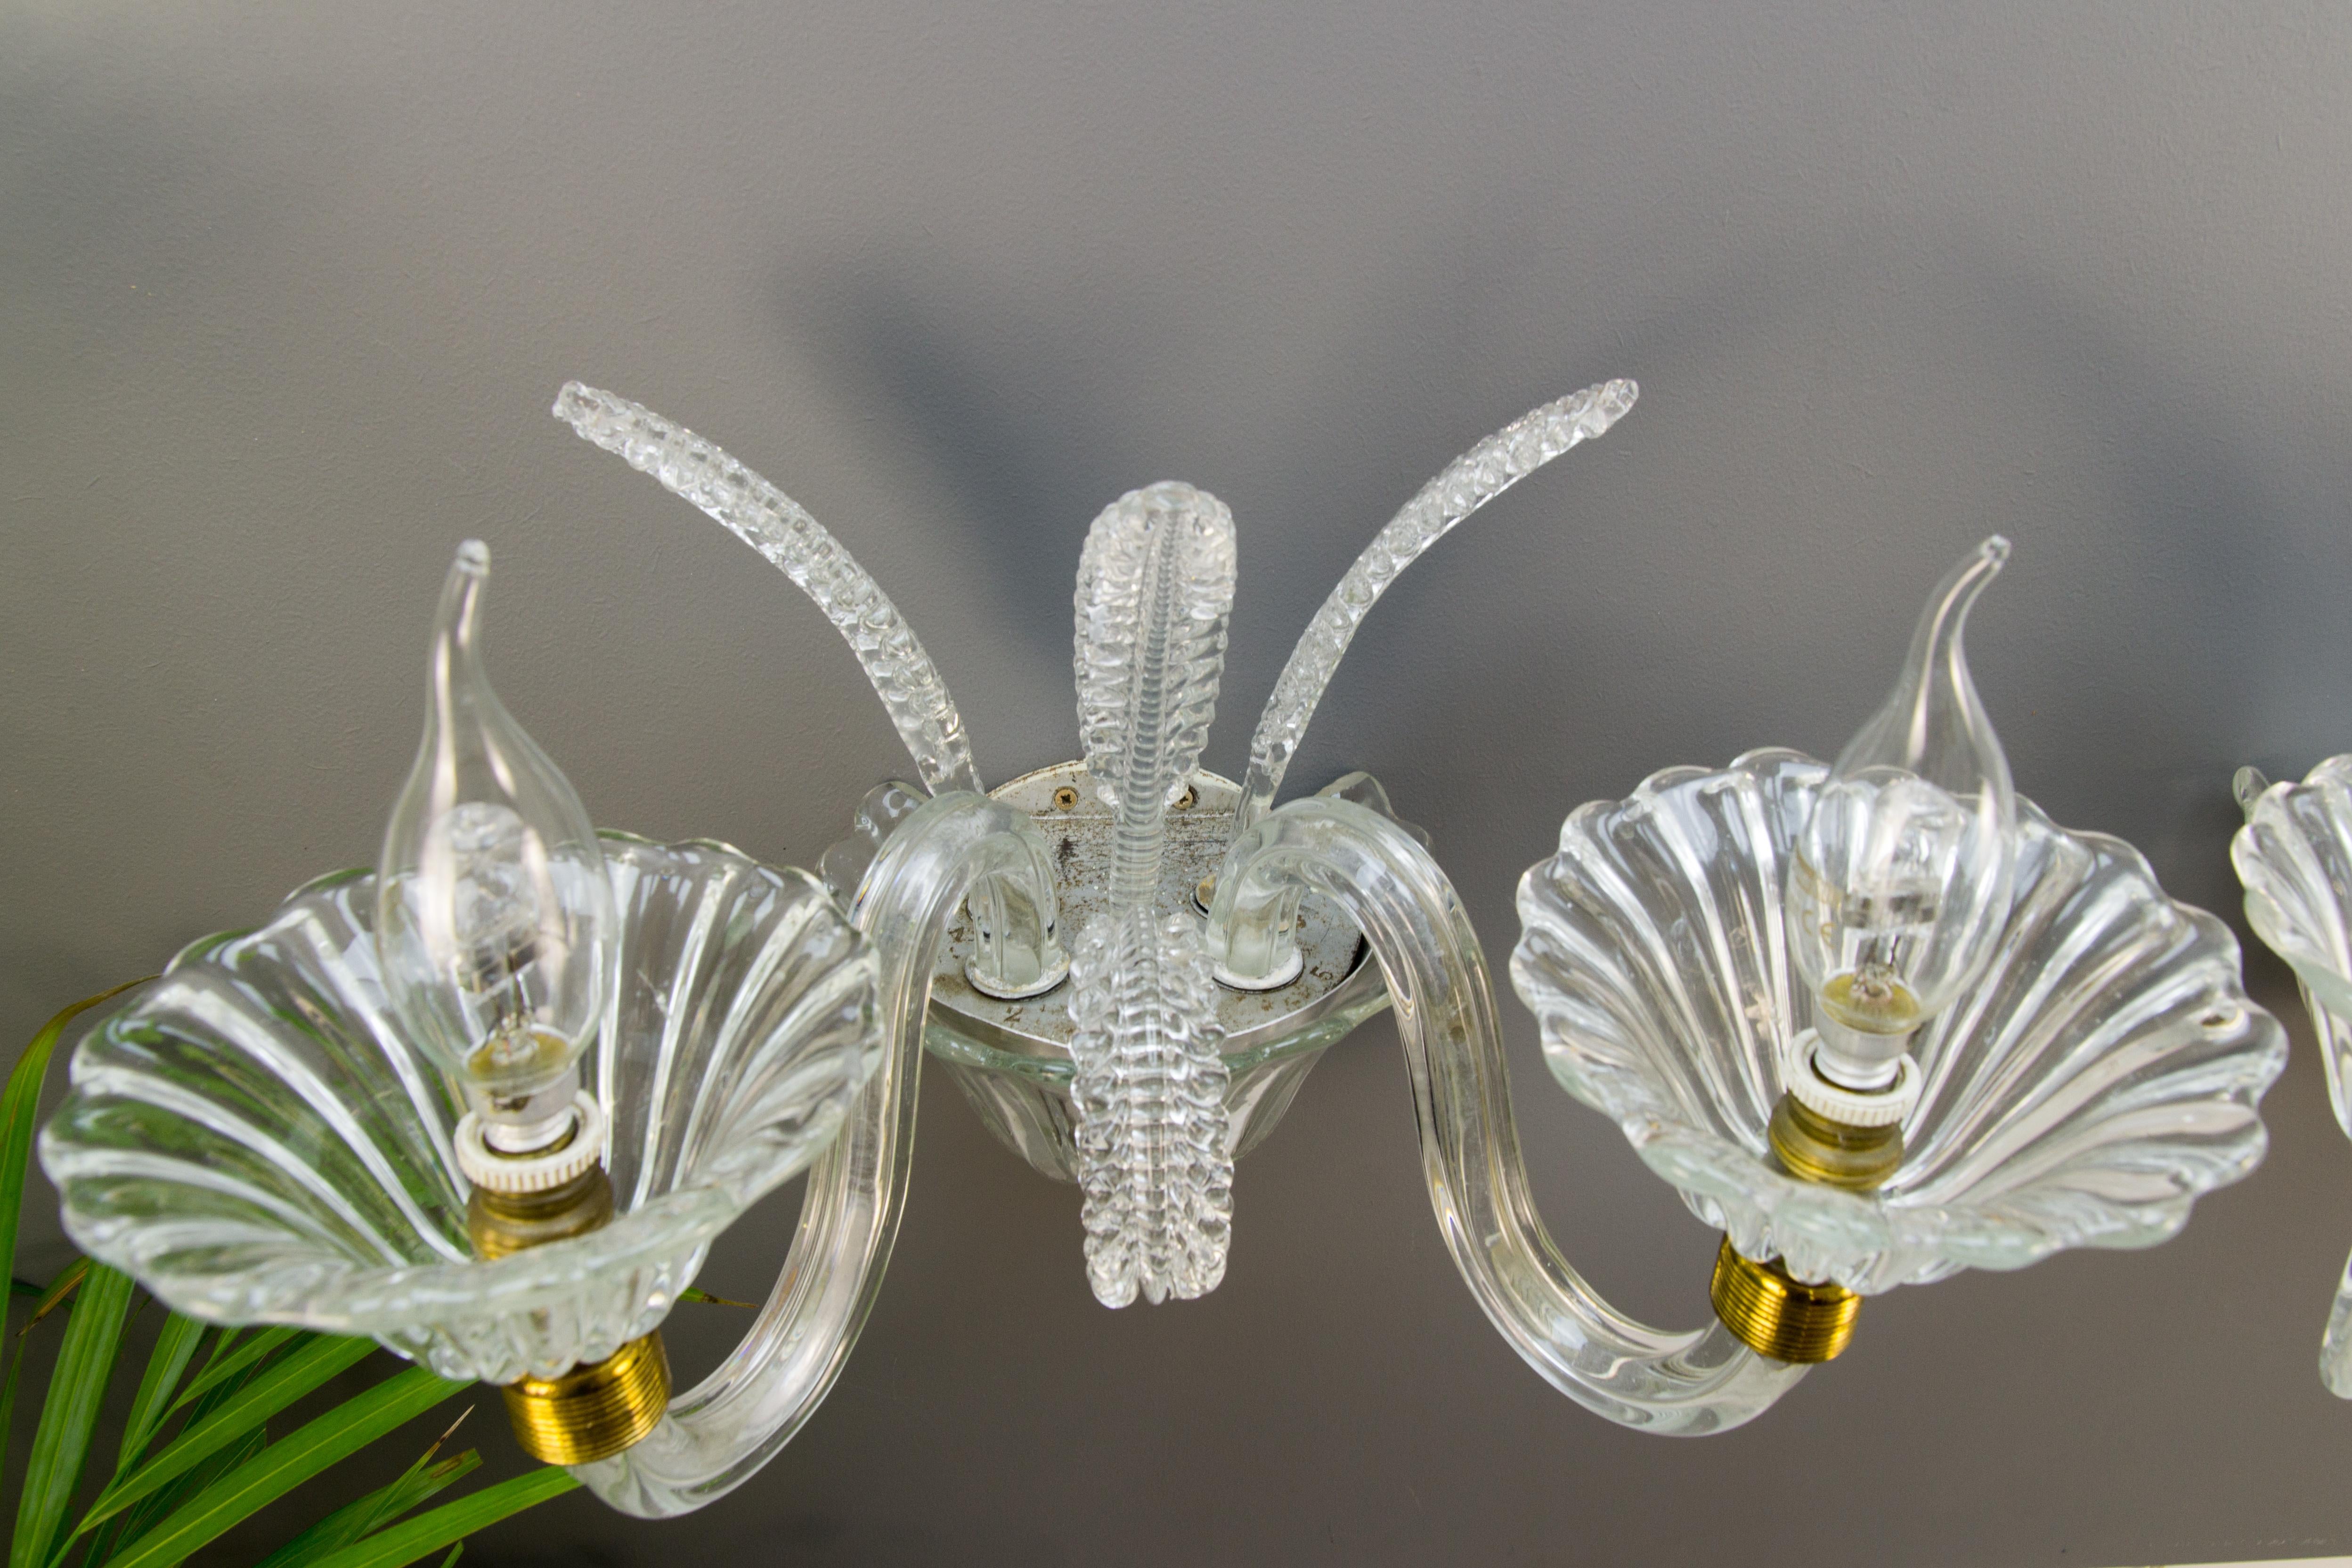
x=2294, y=857
x=257, y=1140
x=2101, y=1072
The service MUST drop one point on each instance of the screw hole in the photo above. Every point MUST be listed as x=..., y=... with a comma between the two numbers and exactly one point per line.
x=1065, y=797
x=1184, y=801
x=2217, y=1019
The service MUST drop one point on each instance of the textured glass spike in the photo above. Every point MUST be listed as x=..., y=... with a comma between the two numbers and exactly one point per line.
x=777, y=527
x=1155, y=584
x=494, y=919
x=1463, y=485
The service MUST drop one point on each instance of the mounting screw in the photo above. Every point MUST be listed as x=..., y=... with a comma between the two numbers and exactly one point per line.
x=1184, y=801
x=1065, y=797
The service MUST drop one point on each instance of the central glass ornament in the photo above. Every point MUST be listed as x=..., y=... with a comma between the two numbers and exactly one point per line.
x=1144, y=1113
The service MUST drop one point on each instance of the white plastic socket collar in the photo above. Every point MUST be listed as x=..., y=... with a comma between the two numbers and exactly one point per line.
x=519, y=1174
x=1284, y=973
x=1848, y=1107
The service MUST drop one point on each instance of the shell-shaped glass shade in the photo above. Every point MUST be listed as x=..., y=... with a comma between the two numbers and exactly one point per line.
x=2295, y=856
x=255, y=1141
x=2102, y=1071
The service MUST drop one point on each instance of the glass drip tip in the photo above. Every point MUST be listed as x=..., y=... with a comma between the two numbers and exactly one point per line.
x=1900, y=880
x=494, y=919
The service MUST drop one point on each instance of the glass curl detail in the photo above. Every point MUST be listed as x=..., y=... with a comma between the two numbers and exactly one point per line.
x=796, y=544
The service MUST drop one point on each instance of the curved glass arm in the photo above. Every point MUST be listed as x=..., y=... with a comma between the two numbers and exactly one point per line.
x=2336, y=1344
x=1681, y=1384
x=779, y=528
x=1459, y=488
x=909, y=684
x=717, y=1434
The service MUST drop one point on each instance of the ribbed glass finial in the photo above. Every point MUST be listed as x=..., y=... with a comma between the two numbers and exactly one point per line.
x=494, y=919
x=1155, y=585
x=1900, y=880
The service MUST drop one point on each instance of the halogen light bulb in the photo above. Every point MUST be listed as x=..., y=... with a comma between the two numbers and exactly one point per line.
x=1900, y=881
x=494, y=920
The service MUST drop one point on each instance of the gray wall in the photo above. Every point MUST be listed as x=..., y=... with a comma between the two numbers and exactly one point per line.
x=285, y=295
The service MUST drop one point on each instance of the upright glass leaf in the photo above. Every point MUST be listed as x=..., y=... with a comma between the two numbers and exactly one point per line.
x=1155, y=585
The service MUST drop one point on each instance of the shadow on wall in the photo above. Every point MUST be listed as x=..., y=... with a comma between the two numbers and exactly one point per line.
x=1002, y=400
x=1822, y=432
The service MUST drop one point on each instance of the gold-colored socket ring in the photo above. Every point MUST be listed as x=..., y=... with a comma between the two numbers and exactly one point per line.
x=1774, y=1315
x=591, y=1412
x=501, y=1223
x=595, y=1411
x=1811, y=1147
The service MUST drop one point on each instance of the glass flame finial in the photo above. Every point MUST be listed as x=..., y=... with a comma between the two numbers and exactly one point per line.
x=494, y=919
x=1901, y=879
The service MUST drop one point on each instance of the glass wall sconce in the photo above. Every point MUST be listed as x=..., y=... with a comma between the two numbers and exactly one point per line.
x=2295, y=858
x=491, y=1103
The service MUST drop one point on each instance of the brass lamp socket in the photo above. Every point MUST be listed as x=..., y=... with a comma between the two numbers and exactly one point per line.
x=593, y=1411
x=1812, y=1147
x=597, y=1409
x=500, y=1224
x=1778, y=1317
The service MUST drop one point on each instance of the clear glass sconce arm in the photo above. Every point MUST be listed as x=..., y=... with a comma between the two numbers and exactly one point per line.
x=779, y=528
x=720, y=1433
x=1681, y=1384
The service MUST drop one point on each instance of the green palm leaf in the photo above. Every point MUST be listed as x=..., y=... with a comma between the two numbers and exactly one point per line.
x=417, y=1485
x=61, y=1442
x=286, y=1381
x=220, y=1467
x=287, y=1464
x=174, y=1348
x=452, y=1521
x=19, y=1103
